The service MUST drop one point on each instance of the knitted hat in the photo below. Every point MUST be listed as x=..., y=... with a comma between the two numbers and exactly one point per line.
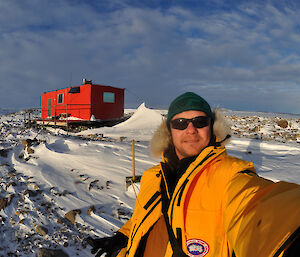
x=188, y=102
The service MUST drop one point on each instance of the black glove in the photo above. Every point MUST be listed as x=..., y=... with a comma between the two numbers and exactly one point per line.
x=109, y=245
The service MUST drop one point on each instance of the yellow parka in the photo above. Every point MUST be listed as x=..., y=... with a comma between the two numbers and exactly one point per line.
x=219, y=208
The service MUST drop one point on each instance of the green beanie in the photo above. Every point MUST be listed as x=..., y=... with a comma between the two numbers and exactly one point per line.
x=188, y=102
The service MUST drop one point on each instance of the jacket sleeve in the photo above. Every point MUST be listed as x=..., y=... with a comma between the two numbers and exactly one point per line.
x=261, y=217
x=125, y=229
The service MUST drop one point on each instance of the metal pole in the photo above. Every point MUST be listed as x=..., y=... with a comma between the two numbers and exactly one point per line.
x=133, y=161
x=44, y=113
x=67, y=117
x=29, y=119
x=55, y=116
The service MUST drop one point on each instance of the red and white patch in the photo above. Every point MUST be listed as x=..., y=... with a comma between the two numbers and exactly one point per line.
x=197, y=248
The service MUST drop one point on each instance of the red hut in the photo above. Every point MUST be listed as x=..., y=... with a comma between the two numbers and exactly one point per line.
x=85, y=102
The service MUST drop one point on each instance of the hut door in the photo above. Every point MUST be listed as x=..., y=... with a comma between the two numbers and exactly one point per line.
x=49, y=107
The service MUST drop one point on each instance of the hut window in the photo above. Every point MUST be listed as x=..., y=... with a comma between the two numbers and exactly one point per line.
x=74, y=90
x=60, y=98
x=108, y=97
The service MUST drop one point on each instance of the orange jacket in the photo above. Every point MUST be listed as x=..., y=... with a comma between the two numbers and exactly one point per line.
x=219, y=208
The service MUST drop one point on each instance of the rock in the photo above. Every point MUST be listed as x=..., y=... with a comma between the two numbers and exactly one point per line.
x=24, y=143
x=13, y=184
x=43, y=231
x=29, y=142
x=122, y=139
x=71, y=215
x=2, y=219
x=91, y=210
x=32, y=193
x=83, y=177
x=44, y=252
x=282, y=123
x=12, y=222
x=64, y=193
x=91, y=136
x=95, y=185
x=10, y=198
x=3, y=203
x=4, y=152
x=30, y=150
x=120, y=212
x=11, y=175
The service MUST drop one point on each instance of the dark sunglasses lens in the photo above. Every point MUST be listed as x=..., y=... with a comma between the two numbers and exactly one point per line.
x=180, y=124
x=200, y=121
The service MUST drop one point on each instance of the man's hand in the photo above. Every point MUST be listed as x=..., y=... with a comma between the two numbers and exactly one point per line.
x=108, y=245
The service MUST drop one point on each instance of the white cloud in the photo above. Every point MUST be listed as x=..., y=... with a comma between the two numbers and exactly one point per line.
x=156, y=54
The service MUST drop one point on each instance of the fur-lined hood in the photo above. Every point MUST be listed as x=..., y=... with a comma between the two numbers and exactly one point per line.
x=161, y=139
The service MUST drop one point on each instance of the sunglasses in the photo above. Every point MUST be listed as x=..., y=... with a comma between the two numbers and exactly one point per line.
x=182, y=123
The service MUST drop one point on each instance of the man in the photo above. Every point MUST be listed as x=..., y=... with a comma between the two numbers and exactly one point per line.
x=201, y=202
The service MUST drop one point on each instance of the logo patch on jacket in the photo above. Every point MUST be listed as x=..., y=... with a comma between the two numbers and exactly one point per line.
x=197, y=248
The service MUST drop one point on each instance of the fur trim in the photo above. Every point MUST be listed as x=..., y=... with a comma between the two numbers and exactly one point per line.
x=221, y=127
x=161, y=139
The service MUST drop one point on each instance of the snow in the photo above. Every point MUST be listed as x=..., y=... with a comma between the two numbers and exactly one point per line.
x=140, y=126
x=63, y=172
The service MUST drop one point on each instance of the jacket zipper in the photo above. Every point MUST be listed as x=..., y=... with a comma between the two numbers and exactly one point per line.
x=181, y=191
x=210, y=154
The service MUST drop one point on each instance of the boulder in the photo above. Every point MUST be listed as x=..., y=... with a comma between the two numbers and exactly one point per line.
x=282, y=123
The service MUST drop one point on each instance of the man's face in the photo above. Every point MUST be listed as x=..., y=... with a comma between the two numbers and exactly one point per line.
x=190, y=141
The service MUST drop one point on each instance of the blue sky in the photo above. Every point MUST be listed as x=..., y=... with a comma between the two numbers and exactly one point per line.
x=240, y=55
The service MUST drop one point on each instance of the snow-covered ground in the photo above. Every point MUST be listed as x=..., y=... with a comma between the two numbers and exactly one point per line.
x=58, y=188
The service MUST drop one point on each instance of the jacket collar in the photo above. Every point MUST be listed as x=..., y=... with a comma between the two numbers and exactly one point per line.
x=207, y=155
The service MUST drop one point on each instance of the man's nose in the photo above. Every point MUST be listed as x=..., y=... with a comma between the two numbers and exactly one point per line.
x=191, y=129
